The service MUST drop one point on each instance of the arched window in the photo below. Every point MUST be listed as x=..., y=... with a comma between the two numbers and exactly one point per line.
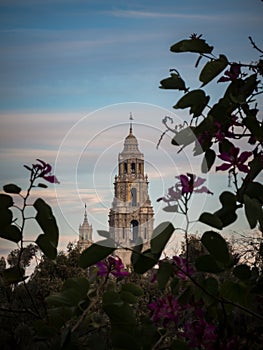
x=134, y=230
x=125, y=168
x=133, y=197
x=133, y=168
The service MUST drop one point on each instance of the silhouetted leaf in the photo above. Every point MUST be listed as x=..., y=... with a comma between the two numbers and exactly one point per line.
x=96, y=252
x=211, y=220
x=179, y=345
x=132, y=288
x=171, y=208
x=46, y=246
x=216, y=246
x=174, y=82
x=207, y=263
x=6, y=201
x=103, y=233
x=12, y=188
x=47, y=221
x=11, y=232
x=192, y=45
x=225, y=146
x=160, y=237
x=6, y=217
x=184, y=137
x=42, y=185
x=208, y=160
x=196, y=100
x=14, y=275
x=212, y=69
x=163, y=274
x=242, y=272
x=253, y=210
x=136, y=250
x=145, y=261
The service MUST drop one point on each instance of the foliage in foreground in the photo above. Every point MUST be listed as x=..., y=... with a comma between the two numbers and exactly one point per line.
x=205, y=298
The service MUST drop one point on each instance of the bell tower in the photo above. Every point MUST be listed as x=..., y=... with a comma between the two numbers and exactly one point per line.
x=131, y=215
x=85, y=232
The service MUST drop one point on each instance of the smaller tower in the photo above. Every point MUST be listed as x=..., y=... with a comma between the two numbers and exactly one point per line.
x=85, y=232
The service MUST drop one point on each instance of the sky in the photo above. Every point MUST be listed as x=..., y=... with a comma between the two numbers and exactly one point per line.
x=72, y=71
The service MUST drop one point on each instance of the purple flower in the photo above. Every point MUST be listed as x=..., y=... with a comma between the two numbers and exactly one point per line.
x=200, y=333
x=165, y=310
x=181, y=263
x=233, y=160
x=231, y=74
x=42, y=170
x=111, y=265
x=190, y=183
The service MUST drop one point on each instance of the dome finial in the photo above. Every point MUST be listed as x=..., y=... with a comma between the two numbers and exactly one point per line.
x=131, y=118
x=85, y=213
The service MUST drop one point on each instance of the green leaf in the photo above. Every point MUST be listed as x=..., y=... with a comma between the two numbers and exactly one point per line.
x=171, y=208
x=228, y=199
x=211, y=220
x=234, y=292
x=124, y=340
x=160, y=237
x=253, y=210
x=216, y=246
x=207, y=263
x=163, y=274
x=174, y=82
x=196, y=100
x=208, y=160
x=192, y=45
x=5, y=201
x=14, y=275
x=128, y=297
x=136, y=250
x=179, y=345
x=254, y=126
x=47, y=221
x=74, y=291
x=6, y=217
x=212, y=69
x=255, y=190
x=119, y=312
x=224, y=216
x=12, y=188
x=132, y=288
x=103, y=233
x=96, y=252
x=184, y=137
x=256, y=166
x=145, y=262
x=225, y=146
x=80, y=284
x=42, y=185
x=242, y=272
x=46, y=246
x=11, y=232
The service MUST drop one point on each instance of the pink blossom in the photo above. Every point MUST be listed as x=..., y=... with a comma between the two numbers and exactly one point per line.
x=42, y=170
x=190, y=183
x=183, y=270
x=231, y=74
x=111, y=265
x=233, y=160
x=165, y=310
x=200, y=333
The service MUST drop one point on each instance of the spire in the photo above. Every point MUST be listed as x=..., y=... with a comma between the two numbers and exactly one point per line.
x=85, y=213
x=131, y=118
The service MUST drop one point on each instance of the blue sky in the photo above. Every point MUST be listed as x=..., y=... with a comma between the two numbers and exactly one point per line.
x=72, y=70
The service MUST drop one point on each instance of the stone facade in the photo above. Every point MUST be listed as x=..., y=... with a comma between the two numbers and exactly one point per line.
x=131, y=215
